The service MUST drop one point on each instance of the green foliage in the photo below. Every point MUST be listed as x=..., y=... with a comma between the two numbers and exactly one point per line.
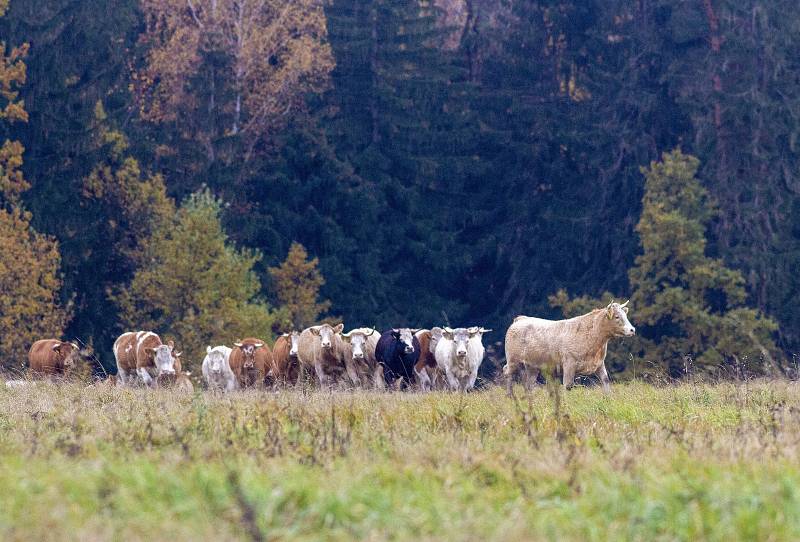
x=194, y=286
x=686, y=305
x=297, y=282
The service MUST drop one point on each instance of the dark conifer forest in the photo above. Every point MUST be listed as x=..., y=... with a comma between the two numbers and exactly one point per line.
x=444, y=161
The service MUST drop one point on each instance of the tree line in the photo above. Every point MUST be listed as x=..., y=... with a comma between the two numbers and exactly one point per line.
x=442, y=162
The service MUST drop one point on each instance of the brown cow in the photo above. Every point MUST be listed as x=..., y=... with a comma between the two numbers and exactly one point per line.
x=179, y=381
x=285, y=365
x=51, y=357
x=142, y=353
x=429, y=375
x=321, y=347
x=249, y=360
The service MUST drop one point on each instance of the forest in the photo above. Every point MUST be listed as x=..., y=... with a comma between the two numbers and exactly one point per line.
x=217, y=168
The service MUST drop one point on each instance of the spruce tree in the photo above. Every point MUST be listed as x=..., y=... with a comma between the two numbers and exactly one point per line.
x=688, y=307
x=194, y=285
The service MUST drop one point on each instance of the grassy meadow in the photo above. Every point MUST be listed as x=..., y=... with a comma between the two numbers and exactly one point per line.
x=688, y=462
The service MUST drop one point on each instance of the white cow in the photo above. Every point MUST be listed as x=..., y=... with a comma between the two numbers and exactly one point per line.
x=217, y=371
x=459, y=353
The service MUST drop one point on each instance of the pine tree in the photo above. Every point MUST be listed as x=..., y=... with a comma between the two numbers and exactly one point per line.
x=194, y=286
x=689, y=308
x=297, y=282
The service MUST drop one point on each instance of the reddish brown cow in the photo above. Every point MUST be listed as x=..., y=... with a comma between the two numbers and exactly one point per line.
x=51, y=357
x=285, y=365
x=427, y=372
x=142, y=353
x=249, y=360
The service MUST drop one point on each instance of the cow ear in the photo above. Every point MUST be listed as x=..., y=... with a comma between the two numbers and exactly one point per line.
x=625, y=310
x=437, y=332
x=609, y=312
x=171, y=344
x=150, y=350
x=57, y=347
x=339, y=328
x=314, y=330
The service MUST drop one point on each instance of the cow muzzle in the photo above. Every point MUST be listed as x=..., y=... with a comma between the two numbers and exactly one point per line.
x=630, y=331
x=326, y=346
x=358, y=356
x=461, y=353
x=167, y=372
x=249, y=364
x=409, y=349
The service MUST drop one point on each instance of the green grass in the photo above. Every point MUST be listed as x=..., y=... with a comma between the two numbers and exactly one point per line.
x=714, y=462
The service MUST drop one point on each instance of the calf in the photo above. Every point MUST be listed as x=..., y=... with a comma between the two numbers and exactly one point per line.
x=322, y=348
x=285, y=365
x=142, y=353
x=460, y=353
x=249, y=360
x=428, y=374
x=398, y=351
x=359, y=356
x=217, y=370
x=51, y=357
x=574, y=346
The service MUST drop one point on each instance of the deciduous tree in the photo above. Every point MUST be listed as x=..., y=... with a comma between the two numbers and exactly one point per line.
x=231, y=67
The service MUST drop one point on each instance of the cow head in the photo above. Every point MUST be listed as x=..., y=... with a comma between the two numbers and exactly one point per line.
x=294, y=341
x=67, y=352
x=406, y=337
x=165, y=358
x=357, y=339
x=436, y=335
x=326, y=333
x=460, y=337
x=216, y=360
x=249, y=351
x=618, y=317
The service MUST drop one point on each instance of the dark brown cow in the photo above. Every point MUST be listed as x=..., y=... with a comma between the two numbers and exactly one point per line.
x=249, y=360
x=51, y=357
x=142, y=353
x=285, y=365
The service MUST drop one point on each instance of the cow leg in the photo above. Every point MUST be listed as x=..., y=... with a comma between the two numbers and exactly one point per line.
x=145, y=376
x=352, y=372
x=602, y=374
x=122, y=376
x=423, y=379
x=569, y=375
x=321, y=376
x=509, y=372
x=452, y=381
x=472, y=378
x=380, y=382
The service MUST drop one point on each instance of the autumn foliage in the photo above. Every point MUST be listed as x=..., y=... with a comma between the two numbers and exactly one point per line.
x=245, y=64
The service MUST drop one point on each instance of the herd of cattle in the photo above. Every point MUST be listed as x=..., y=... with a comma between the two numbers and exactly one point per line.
x=436, y=358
